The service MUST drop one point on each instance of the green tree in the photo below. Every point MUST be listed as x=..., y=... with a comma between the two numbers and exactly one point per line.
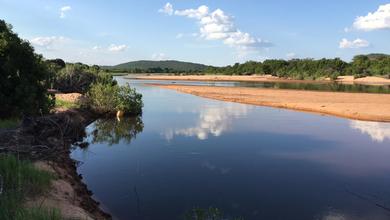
x=23, y=75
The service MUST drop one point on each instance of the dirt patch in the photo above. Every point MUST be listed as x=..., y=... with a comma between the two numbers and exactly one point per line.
x=361, y=106
x=68, y=97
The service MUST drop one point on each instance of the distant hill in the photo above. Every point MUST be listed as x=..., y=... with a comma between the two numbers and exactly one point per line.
x=157, y=66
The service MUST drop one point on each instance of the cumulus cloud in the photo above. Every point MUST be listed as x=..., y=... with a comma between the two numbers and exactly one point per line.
x=354, y=44
x=117, y=48
x=376, y=130
x=379, y=19
x=217, y=25
x=159, y=56
x=167, y=9
x=48, y=42
x=63, y=11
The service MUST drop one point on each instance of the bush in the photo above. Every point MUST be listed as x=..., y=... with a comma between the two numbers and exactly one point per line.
x=23, y=75
x=107, y=98
x=78, y=77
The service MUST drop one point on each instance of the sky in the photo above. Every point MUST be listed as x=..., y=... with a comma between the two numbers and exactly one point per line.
x=212, y=32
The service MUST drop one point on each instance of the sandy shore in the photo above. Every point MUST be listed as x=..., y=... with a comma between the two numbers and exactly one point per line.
x=262, y=78
x=361, y=106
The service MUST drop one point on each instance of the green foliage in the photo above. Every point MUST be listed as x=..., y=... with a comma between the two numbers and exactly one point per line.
x=78, y=77
x=65, y=104
x=166, y=66
x=23, y=76
x=362, y=65
x=18, y=180
x=107, y=98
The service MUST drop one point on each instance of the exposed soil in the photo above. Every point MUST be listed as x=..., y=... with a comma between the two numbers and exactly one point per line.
x=361, y=106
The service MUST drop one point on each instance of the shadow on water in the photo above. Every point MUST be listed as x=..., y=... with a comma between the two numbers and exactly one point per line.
x=111, y=130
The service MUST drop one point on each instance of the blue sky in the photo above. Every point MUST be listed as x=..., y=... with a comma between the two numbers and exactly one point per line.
x=213, y=32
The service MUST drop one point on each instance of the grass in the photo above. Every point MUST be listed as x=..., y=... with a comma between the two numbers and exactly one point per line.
x=65, y=104
x=19, y=180
x=9, y=123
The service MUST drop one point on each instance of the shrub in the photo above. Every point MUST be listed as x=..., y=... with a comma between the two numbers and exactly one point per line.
x=107, y=98
x=78, y=77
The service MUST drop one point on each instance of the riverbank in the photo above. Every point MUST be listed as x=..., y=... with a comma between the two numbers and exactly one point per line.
x=262, y=78
x=360, y=106
x=47, y=142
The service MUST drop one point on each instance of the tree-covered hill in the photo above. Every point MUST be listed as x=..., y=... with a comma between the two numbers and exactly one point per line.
x=165, y=66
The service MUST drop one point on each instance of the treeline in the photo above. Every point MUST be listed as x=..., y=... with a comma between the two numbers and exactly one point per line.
x=163, y=66
x=361, y=65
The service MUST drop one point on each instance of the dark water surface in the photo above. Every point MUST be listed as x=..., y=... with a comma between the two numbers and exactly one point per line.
x=248, y=161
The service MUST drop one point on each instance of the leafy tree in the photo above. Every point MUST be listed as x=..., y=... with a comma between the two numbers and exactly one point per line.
x=107, y=98
x=23, y=75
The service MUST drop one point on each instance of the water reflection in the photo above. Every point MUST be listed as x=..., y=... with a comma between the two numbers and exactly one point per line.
x=212, y=120
x=111, y=130
x=376, y=130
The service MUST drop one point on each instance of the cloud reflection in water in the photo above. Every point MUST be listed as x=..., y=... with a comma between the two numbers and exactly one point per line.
x=376, y=130
x=213, y=120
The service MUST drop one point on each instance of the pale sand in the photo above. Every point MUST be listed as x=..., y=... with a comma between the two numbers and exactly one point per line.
x=261, y=78
x=361, y=106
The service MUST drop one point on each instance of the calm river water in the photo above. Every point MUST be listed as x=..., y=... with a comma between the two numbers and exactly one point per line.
x=188, y=152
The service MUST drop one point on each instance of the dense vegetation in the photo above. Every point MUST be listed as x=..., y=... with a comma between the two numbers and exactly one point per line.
x=23, y=77
x=166, y=66
x=105, y=99
x=103, y=94
x=18, y=180
x=361, y=65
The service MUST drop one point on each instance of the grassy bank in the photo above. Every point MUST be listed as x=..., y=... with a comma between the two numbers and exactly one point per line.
x=20, y=180
x=66, y=104
x=9, y=123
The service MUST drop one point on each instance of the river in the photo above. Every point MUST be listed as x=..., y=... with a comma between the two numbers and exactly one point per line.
x=253, y=162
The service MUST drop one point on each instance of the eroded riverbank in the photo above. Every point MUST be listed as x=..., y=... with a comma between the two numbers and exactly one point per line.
x=47, y=142
x=360, y=106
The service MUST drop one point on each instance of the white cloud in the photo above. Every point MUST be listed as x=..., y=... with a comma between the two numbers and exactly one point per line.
x=96, y=47
x=376, y=130
x=291, y=55
x=159, y=56
x=179, y=36
x=167, y=9
x=379, y=19
x=48, y=42
x=63, y=11
x=217, y=25
x=355, y=44
x=117, y=48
